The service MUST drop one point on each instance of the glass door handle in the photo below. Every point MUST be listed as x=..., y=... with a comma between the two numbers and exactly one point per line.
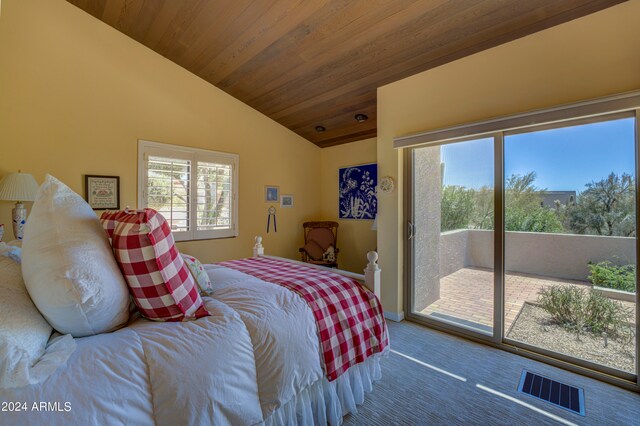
x=411, y=230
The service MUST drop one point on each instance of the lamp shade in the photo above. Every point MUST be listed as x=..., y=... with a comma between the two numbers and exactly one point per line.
x=18, y=187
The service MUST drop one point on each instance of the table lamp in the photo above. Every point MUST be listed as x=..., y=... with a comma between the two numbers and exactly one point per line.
x=18, y=187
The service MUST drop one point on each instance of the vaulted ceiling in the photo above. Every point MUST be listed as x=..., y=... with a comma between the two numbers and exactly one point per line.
x=310, y=63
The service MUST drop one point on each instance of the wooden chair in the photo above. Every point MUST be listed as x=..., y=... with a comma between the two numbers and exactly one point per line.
x=320, y=240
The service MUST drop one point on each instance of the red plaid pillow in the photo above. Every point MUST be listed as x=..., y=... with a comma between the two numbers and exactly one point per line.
x=162, y=287
x=109, y=221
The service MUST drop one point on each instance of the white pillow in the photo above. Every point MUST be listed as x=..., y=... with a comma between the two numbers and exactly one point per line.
x=68, y=266
x=24, y=356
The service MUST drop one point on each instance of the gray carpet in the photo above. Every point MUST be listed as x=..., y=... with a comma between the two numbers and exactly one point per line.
x=413, y=394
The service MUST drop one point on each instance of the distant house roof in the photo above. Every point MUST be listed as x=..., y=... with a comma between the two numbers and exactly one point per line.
x=549, y=198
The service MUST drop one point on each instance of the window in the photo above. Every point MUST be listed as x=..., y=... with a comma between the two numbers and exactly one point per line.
x=194, y=189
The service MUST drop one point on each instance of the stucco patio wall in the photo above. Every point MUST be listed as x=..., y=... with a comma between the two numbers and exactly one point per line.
x=552, y=255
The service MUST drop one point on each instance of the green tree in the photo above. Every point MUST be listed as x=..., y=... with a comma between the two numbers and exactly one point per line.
x=464, y=208
x=483, y=208
x=456, y=208
x=606, y=207
x=538, y=219
x=523, y=210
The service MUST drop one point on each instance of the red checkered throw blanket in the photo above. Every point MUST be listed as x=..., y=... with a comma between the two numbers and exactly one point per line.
x=350, y=320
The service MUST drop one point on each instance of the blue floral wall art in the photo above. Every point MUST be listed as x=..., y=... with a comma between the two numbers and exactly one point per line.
x=357, y=186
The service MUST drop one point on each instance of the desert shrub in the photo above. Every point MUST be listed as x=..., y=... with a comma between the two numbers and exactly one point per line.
x=580, y=310
x=606, y=274
x=566, y=305
x=606, y=315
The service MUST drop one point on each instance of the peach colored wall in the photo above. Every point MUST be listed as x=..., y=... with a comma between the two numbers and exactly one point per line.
x=355, y=237
x=76, y=95
x=593, y=56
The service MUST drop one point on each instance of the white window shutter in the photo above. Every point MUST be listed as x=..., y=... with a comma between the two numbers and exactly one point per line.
x=195, y=190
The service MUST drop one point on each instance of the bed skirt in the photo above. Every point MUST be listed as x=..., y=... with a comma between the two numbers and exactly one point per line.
x=326, y=402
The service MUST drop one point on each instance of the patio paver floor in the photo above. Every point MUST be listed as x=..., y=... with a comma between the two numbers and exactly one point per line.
x=467, y=295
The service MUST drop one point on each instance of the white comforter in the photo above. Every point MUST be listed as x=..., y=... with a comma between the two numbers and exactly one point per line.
x=255, y=353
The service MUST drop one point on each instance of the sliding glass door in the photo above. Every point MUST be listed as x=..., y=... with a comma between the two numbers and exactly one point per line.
x=526, y=238
x=570, y=249
x=452, y=234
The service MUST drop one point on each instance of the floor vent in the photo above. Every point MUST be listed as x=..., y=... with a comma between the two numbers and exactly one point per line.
x=568, y=397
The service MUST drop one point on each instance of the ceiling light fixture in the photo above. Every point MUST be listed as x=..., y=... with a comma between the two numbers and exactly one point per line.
x=361, y=118
x=320, y=129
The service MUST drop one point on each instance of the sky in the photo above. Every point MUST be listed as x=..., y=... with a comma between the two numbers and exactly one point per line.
x=564, y=159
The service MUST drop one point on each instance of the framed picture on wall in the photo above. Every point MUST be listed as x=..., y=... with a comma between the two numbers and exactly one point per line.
x=271, y=193
x=357, y=197
x=102, y=192
x=286, y=201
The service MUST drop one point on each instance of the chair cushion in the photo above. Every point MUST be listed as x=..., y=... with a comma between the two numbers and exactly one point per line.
x=162, y=287
x=68, y=266
x=323, y=237
x=314, y=250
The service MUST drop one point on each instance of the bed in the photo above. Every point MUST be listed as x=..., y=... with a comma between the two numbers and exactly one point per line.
x=257, y=359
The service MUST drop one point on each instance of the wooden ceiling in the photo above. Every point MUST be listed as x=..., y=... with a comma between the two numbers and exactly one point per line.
x=308, y=63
